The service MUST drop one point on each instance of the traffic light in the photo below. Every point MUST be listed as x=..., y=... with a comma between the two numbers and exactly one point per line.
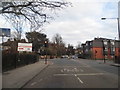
x=46, y=43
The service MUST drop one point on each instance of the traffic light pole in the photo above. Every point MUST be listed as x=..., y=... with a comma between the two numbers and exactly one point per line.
x=46, y=56
x=46, y=45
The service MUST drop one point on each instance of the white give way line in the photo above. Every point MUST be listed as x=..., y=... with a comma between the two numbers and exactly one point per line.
x=76, y=75
x=82, y=74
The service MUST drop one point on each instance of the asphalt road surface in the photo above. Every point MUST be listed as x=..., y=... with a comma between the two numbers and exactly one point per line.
x=73, y=73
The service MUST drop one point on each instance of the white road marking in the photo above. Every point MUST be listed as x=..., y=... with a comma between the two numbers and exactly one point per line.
x=75, y=68
x=75, y=75
x=64, y=69
x=91, y=74
x=62, y=74
x=40, y=80
x=61, y=70
x=70, y=70
x=79, y=80
x=81, y=70
x=67, y=70
x=33, y=83
x=83, y=74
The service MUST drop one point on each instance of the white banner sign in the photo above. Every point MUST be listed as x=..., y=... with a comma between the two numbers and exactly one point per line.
x=25, y=47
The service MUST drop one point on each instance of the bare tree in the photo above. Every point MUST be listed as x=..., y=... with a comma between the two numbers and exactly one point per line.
x=78, y=45
x=18, y=24
x=57, y=39
x=37, y=13
x=59, y=44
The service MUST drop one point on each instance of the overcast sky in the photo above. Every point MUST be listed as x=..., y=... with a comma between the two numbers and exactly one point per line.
x=82, y=21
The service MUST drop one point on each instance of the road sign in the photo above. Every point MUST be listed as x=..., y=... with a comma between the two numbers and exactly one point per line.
x=25, y=47
x=5, y=32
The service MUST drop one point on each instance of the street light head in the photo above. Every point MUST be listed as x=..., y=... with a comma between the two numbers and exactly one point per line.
x=103, y=18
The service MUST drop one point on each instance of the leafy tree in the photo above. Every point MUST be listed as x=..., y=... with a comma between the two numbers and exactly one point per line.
x=36, y=13
x=38, y=39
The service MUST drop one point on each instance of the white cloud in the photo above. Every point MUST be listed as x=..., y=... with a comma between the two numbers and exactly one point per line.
x=83, y=21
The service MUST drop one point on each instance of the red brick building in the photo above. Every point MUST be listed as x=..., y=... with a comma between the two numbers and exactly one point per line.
x=101, y=48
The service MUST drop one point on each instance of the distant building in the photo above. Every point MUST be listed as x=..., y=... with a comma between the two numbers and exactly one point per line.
x=12, y=45
x=101, y=48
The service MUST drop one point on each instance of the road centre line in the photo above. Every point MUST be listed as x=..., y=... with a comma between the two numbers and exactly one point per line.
x=79, y=79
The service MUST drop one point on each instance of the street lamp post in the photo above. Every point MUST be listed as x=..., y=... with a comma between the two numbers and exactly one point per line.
x=118, y=25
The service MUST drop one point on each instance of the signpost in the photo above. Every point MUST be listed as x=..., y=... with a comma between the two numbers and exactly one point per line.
x=4, y=32
x=25, y=47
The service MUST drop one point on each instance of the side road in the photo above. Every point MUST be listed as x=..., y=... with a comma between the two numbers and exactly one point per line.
x=18, y=77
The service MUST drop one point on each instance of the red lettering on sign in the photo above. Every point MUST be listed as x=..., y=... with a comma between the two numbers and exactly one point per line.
x=20, y=48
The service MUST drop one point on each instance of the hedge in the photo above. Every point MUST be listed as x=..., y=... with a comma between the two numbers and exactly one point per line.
x=14, y=60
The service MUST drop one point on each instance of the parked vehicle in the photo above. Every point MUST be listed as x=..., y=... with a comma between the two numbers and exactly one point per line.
x=65, y=56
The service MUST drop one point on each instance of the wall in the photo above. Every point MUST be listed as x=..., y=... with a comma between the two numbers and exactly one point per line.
x=99, y=54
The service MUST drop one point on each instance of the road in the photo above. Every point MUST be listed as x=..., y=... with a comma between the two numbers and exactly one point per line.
x=73, y=73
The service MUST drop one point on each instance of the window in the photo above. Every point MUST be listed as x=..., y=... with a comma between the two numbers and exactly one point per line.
x=112, y=43
x=113, y=49
x=86, y=50
x=105, y=42
x=106, y=49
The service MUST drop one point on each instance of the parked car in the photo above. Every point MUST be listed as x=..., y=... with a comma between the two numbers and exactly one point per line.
x=65, y=56
x=74, y=57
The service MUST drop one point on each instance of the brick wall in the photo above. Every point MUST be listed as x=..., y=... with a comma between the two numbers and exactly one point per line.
x=117, y=51
x=97, y=53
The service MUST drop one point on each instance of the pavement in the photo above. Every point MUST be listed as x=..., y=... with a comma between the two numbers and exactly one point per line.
x=110, y=62
x=20, y=76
